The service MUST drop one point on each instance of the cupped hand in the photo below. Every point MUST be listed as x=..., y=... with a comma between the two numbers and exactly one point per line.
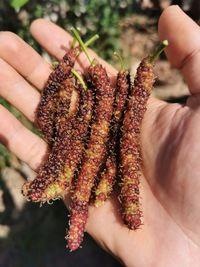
x=170, y=185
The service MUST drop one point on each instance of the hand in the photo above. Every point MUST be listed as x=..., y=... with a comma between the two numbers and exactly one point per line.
x=170, y=186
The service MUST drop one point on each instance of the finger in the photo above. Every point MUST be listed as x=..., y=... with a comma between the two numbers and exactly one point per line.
x=19, y=140
x=17, y=91
x=183, y=51
x=24, y=59
x=43, y=30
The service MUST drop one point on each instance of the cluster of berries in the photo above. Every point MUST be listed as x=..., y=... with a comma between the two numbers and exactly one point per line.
x=94, y=144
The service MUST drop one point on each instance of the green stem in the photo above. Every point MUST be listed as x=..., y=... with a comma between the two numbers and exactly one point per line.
x=117, y=55
x=88, y=43
x=78, y=76
x=158, y=51
x=74, y=39
x=92, y=40
x=81, y=43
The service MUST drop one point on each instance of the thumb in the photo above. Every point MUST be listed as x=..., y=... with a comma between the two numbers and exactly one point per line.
x=183, y=35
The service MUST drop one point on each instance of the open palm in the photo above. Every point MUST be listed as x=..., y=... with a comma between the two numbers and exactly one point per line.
x=170, y=186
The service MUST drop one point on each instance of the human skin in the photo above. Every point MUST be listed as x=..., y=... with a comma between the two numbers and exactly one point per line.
x=170, y=141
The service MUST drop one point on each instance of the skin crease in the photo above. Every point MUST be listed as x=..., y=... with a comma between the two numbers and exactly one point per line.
x=170, y=185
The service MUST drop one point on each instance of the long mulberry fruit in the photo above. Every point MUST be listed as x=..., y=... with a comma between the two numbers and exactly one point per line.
x=131, y=158
x=94, y=153
x=45, y=114
x=48, y=172
x=108, y=176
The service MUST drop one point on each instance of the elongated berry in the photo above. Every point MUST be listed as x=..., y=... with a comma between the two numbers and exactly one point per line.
x=131, y=158
x=93, y=155
x=108, y=176
x=107, y=180
x=74, y=145
x=49, y=171
x=45, y=114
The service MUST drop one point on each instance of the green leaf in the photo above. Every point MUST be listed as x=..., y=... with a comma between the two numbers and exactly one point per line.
x=18, y=3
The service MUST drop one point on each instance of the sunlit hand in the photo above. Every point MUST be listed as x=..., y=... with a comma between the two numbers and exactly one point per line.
x=170, y=187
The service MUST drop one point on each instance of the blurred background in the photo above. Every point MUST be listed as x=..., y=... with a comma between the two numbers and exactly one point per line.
x=34, y=237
